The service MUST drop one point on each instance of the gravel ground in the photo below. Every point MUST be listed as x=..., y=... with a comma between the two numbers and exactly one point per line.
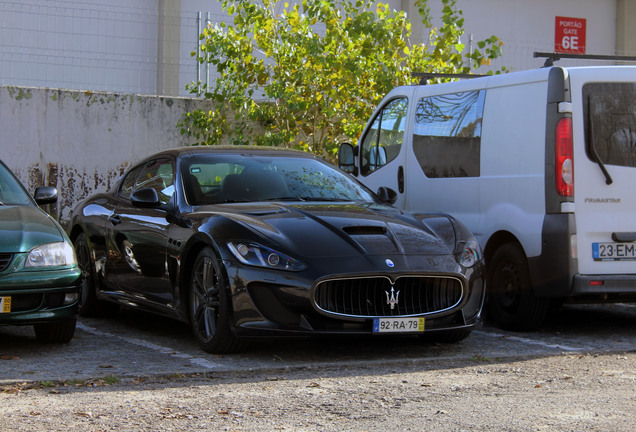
x=567, y=392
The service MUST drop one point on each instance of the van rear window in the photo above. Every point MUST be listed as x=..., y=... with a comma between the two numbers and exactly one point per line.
x=447, y=134
x=610, y=123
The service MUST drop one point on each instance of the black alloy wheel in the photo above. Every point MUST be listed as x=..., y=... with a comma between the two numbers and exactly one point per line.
x=511, y=301
x=88, y=303
x=210, y=306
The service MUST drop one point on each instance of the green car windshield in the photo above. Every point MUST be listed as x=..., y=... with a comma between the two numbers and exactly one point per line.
x=11, y=191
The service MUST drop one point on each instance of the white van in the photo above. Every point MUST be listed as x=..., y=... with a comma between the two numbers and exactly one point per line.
x=540, y=165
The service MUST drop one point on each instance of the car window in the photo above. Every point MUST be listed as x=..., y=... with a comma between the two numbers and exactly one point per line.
x=383, y=140
x=447, y=134
x=127, y=184
x=610, y=127
x=11, y=191
x=210, y=179
x=157, y=175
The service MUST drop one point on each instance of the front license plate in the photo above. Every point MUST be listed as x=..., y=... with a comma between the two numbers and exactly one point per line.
x=5, y=304
x=614, y=251
x=398, y=325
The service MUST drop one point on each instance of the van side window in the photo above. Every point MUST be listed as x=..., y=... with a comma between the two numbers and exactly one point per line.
x=447, y=134
x=610, y=122
x=383, y=140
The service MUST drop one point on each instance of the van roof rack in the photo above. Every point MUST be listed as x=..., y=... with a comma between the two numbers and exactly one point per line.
x=550, y=58
x=425, y=76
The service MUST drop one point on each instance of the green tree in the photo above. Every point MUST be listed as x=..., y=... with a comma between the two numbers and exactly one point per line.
x=310, y=76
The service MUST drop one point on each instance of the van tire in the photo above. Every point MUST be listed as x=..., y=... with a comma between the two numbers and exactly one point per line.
x=511, y=302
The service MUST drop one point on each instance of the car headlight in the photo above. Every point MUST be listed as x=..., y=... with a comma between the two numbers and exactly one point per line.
x=256, y=255
x=51, y=255
x=470, y=254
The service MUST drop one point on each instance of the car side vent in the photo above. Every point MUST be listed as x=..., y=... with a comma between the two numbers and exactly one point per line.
x=5, y=261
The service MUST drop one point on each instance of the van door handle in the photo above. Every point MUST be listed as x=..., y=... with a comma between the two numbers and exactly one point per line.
x=400, y=179
x=114, y=219
x=624, y=236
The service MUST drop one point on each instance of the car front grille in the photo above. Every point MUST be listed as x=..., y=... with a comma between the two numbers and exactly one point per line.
x=25, y=302
x=377, y=297
x=5, y=261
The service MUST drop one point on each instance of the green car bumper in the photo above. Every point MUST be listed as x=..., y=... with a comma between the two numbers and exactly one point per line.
x=30, y=297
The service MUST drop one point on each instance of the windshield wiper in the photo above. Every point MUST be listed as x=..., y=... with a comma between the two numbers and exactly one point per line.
x=323, y=199
x=287, y=198
x=592, y=147
x=231, y=201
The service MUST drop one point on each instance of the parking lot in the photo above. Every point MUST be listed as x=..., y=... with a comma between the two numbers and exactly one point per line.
x=138, y=372
x=132, y=344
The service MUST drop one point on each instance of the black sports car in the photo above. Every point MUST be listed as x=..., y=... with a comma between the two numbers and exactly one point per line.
x=247, y=241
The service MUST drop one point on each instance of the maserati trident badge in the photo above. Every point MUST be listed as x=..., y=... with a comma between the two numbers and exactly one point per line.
x=392, y=299
x=389, y=263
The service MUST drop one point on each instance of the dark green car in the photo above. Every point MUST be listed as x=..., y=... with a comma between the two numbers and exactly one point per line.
x=39, y=277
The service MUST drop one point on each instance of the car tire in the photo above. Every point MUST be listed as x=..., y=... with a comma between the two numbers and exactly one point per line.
x=210, y=305
x=511, y=302
x=89, y=304
x=61, y=331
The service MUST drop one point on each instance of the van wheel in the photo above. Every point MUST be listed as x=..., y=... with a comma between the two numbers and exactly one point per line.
x=511, y=302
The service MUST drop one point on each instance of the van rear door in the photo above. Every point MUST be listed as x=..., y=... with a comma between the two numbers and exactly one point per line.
x=604, y=134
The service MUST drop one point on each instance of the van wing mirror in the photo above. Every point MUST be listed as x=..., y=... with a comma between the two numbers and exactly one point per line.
x=387, y=195
x=346, y=158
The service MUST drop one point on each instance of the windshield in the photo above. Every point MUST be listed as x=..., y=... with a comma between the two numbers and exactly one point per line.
x=11, y=191
x=221, y=178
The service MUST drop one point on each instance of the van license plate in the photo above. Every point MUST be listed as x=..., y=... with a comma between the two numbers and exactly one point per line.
x=398, y=325
x=614, y=251
x=5, y=304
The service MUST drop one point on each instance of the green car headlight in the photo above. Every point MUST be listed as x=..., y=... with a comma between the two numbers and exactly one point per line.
x=51, y=255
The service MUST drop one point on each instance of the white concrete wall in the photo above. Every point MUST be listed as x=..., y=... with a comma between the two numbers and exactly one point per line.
x=81, y=142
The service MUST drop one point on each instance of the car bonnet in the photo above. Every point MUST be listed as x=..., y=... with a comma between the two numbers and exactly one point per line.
x=346, y=229
x=24, y=227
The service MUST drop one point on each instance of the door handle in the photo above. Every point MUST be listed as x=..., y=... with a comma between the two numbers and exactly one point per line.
x=114, y=219
x=400, y=179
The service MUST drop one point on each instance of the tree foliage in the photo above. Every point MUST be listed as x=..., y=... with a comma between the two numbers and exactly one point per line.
x=309, y=75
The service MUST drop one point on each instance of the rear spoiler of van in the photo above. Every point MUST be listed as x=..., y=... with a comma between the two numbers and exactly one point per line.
x=425, y=76
x=550, y=58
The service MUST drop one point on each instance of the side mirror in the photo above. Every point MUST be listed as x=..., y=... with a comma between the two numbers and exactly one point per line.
x=387, y=195
x=346, y=158
x=45, y=195
x=145, y=198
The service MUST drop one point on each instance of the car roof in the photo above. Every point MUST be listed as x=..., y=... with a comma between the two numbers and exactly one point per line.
x=233, y=149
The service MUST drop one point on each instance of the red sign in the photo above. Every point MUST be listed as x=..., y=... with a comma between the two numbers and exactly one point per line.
x=569, y=35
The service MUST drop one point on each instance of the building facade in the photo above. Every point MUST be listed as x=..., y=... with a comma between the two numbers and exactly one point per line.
x=144, y=47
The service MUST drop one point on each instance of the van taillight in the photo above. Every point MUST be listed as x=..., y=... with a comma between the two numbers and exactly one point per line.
x=564, y=158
